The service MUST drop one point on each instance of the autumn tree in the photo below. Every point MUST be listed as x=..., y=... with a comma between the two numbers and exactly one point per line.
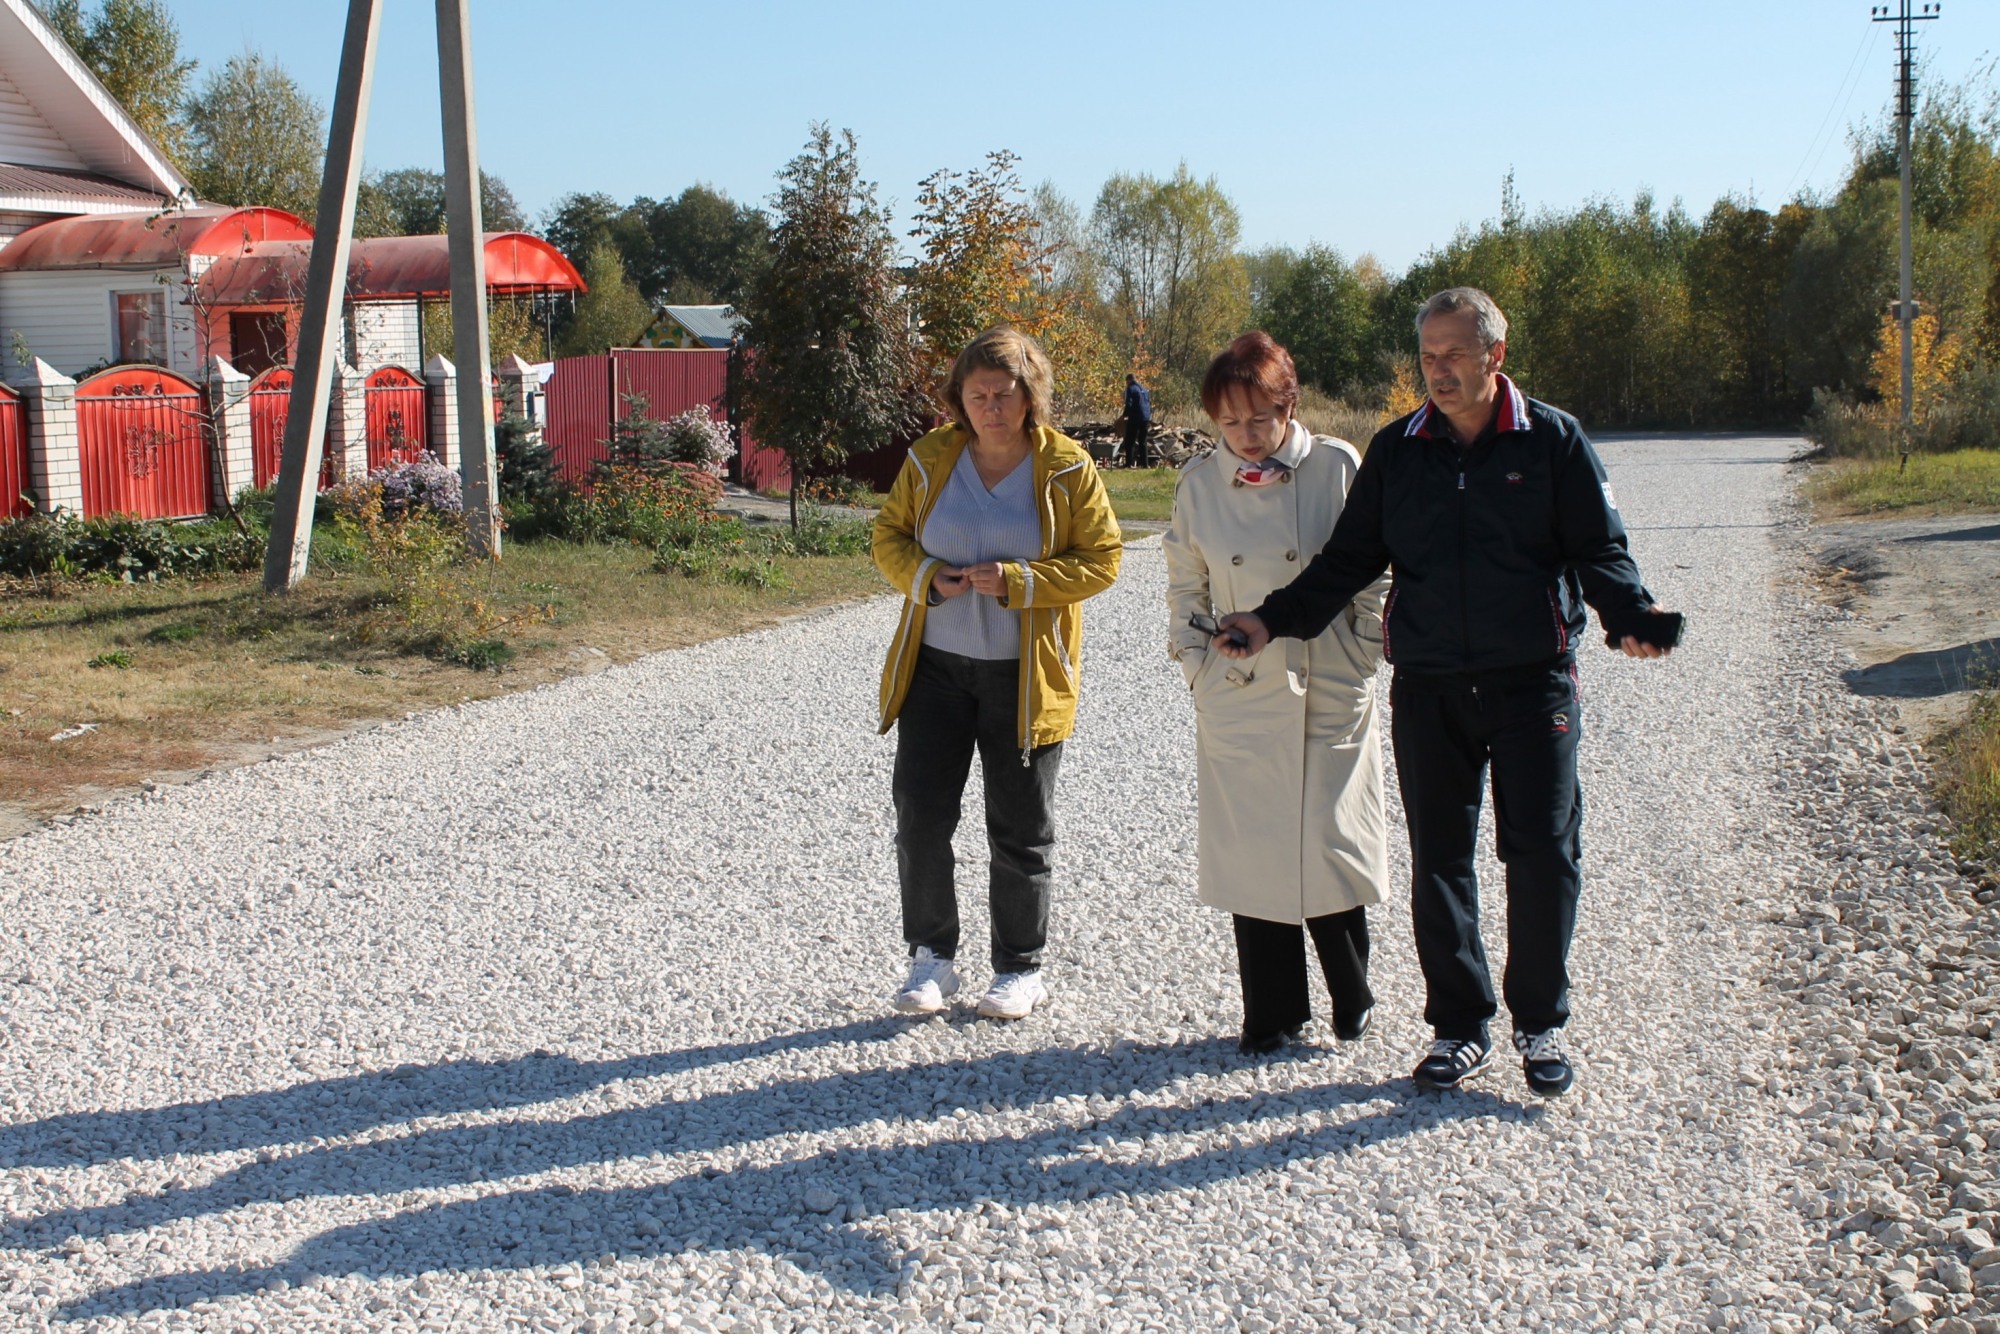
x=255, y=138
x=830, y=361
x=134, y=49
x=1175, y=284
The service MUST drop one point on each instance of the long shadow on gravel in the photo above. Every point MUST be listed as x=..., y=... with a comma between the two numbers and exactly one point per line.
x=762, y=1207
x=489, y=1151
x=327, y=1108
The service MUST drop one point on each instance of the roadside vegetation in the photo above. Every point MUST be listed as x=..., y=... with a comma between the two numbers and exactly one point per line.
x=1968, y=758
x=150, y=648
x=1964, y=481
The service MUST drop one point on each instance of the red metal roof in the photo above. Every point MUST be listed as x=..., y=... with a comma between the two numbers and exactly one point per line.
x=148, y=240
x=387, y=267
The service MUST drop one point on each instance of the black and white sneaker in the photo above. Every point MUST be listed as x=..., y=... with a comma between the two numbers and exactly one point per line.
x=1544, y=1062
x=1452, y=1061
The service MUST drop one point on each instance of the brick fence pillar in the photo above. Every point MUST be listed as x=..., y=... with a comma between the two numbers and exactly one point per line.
x=55, y=463
x=441, y=384
x=229, y=412
x=517, y=381
x=347, y=423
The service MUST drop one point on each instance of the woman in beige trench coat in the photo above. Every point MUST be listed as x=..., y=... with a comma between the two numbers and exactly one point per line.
x=1288, y=752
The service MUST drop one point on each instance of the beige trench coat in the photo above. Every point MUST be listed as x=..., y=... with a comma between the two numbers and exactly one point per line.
x=1287, y=744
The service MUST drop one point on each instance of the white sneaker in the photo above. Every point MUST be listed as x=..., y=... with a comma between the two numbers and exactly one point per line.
x=932, y=980
x=1013, y=995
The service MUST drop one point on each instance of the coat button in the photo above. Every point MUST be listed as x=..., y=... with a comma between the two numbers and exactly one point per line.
x=1291, y=555
x=1235, y=560
x=1285, y=479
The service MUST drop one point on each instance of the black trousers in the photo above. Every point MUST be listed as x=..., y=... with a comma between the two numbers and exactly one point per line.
x=1135, y=442
x=1526, y=728
x=957, y=705
x=1271, y=957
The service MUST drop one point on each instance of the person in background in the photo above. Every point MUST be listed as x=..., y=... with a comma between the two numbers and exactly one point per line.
x=1499, y=523
x=1138, y=421
x=994, y=532
x=1292, y=837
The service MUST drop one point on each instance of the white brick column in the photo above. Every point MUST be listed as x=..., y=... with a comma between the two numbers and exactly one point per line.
x=347, y=423
x=229, y=410
x=441, y=391
x=517, y=381
x=55, y=465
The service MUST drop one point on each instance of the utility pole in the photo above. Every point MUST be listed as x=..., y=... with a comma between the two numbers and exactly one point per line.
x=1905, y=16
x=326, y=281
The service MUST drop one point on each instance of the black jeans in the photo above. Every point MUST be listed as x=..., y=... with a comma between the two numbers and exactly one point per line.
x=1271, y=956
x=1526, y=726
x=1135, y=442
x=956, y=705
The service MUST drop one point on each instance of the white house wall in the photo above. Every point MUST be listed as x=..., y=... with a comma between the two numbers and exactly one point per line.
x=387, y=333
x=67, y=318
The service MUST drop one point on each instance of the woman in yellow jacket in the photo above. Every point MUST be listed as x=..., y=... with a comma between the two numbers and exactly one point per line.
x=996, y=529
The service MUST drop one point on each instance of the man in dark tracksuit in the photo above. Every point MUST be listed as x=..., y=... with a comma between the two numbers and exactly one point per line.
x=1494, y=512
x=1138, y=421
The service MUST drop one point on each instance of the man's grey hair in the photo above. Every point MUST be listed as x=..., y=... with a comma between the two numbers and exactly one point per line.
x=1491, y=323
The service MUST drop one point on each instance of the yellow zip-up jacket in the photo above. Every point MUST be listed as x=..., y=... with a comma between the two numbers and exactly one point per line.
x=1081, y=547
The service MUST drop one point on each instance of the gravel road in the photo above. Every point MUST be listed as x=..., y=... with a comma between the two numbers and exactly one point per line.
x=567, y=1010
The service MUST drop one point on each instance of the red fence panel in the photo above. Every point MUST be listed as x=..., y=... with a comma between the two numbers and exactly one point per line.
x=586, y=394
x=141, y=434
x=14, y=479
x=270, y=407
x=399, y=419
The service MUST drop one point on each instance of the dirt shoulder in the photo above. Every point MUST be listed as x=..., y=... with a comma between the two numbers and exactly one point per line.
x=1925, y=594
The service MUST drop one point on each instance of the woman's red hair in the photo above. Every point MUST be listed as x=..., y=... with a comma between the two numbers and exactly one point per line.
x=1254, y=361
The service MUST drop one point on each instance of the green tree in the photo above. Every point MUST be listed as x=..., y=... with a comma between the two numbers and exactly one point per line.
x=699, y=248
x=830, y=361
x=134, y=49
x=1176, y=287
x=1314, y=303
x=409, y=201
x=255, y=138
x=612, y=313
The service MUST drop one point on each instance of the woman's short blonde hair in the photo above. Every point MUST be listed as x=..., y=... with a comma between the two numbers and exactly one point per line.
x=1004, y=348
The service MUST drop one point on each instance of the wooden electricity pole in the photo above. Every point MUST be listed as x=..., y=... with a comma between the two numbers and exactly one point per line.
x=1904, y=16
x=326, y=282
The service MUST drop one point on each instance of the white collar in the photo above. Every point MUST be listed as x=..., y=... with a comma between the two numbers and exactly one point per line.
x=1298, y=444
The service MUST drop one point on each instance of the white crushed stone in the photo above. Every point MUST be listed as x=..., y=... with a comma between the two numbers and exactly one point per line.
x=567, y=1010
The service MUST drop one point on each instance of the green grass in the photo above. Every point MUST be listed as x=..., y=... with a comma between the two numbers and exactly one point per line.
x=1141, y=493
x=1969, y=779
x=1966, y=480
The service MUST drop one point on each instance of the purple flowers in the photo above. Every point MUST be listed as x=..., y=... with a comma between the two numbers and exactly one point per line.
x=423, y=482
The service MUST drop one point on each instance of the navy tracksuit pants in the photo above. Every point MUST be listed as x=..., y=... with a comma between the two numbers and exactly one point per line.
x=1448, y=732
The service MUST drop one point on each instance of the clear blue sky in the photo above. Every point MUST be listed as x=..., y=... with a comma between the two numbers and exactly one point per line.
x=1376, y=127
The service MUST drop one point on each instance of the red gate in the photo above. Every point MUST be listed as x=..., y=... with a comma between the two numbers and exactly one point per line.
x=398, y=417
x=270, y=405
x=14, y=478
x=141, y=438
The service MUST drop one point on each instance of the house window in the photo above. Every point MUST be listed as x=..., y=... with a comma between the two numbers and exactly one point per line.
x=142, y=326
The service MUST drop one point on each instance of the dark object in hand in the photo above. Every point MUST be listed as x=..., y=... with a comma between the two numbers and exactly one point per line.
x=1661, y=629
x=1207, y=625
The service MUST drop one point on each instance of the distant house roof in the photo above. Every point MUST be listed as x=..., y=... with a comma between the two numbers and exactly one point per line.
x=713, y=326
x=386, y=267
x=65, y=118
x=152, y=239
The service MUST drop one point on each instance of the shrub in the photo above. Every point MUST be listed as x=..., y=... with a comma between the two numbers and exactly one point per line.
x=673, y=507
x=121, y=548
x=836, y=489
x=528, y=475
x=696, y=438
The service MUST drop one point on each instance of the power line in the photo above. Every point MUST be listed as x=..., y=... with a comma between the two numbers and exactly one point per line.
x=1906, y=107
x=1842, y=95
